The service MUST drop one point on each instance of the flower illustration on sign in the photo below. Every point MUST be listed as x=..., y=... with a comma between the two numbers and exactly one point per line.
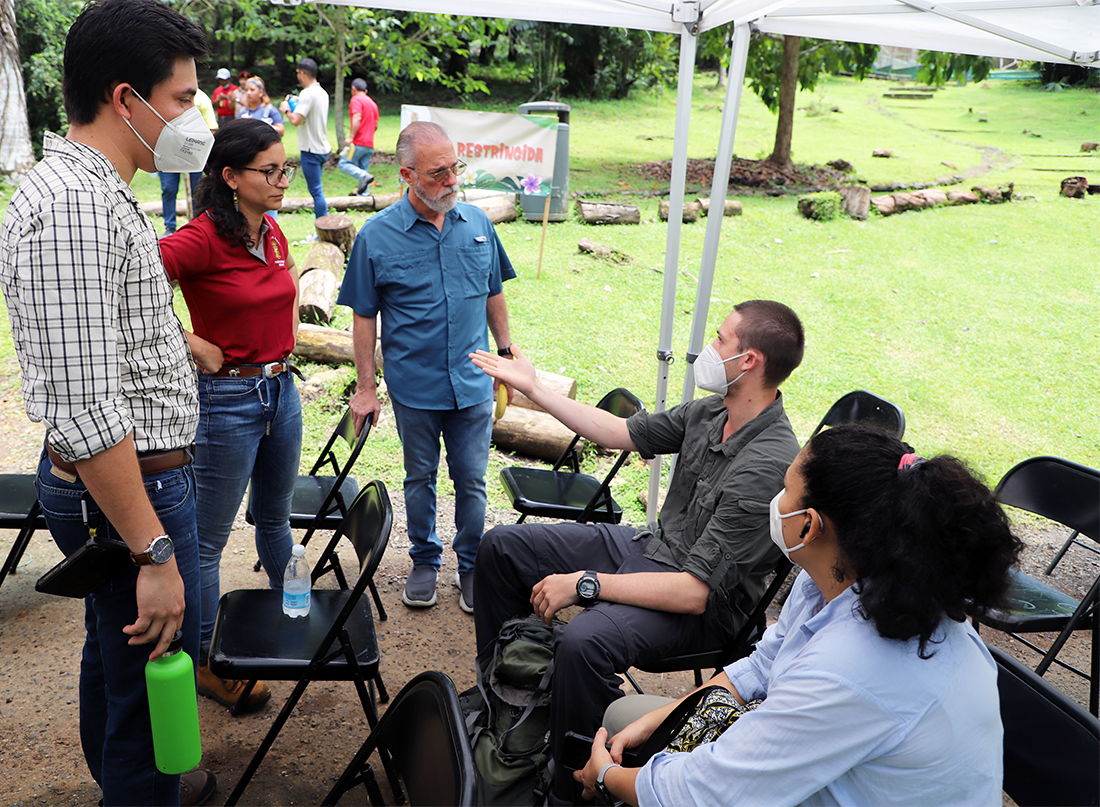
x=532, y=185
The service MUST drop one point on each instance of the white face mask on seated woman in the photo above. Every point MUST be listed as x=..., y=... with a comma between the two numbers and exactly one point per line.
x=775, y=523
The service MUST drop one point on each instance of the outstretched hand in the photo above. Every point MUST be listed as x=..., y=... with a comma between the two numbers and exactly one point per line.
x=517, y=373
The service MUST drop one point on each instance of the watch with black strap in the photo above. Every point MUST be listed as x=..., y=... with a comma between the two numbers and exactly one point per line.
x=588, y=589
x=505, y=351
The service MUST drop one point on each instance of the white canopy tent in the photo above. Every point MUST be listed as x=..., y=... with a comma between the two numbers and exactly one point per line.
x=1065, y=31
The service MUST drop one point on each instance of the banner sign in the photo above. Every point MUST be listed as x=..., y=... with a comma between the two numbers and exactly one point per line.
x=503, y=152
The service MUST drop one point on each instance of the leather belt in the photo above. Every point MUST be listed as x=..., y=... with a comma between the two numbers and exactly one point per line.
x=269, y=370
x=151, y=463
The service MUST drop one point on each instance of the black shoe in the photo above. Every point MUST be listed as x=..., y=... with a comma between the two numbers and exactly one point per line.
x=196, y=787
x=364, y=183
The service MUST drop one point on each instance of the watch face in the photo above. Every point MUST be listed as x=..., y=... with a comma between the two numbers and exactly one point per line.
x=586, y=588
x=161, y=550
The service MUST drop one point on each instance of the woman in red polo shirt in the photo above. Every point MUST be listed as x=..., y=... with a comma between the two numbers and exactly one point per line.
x=239, y=281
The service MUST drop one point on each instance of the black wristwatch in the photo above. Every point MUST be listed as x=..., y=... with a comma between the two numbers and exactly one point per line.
x=504, y=351
x=588, y=589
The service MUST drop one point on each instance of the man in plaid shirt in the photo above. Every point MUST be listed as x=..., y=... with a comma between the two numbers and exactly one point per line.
x=107, y=370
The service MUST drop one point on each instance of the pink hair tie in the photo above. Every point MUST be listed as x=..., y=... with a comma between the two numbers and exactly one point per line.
x=909, y=461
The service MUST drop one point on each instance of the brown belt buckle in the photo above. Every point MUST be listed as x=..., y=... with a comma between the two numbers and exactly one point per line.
x=272, y=369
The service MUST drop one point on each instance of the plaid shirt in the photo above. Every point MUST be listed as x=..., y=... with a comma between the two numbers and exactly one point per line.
x=101, y=349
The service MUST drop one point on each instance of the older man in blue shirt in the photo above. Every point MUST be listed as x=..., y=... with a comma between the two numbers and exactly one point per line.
x=434, y=268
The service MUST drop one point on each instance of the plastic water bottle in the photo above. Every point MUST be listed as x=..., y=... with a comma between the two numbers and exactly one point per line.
x=296, y=584
x=173, y=709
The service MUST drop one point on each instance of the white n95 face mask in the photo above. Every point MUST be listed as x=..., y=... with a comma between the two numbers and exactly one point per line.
x=184, y=142
x=710, y=370
x=775, y=524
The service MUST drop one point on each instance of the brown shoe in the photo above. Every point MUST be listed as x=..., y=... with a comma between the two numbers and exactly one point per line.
x=196, y=787
x=226, y=691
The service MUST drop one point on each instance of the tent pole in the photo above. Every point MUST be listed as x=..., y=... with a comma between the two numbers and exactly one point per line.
x=735, y=82
x=684, y=88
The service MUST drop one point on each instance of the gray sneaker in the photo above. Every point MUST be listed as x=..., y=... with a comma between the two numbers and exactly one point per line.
x=420, y=587
x=465, y=583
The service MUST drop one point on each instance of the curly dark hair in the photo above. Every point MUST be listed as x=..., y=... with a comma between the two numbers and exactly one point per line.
x=922, y=543
x=235, y=145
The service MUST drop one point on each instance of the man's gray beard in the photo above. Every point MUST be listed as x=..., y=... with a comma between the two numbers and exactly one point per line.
x=440, y=205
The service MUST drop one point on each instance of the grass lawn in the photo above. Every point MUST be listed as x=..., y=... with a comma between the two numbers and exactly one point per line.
x=979, y=321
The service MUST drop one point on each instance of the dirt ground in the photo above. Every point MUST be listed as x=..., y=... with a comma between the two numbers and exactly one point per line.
x=41, y=762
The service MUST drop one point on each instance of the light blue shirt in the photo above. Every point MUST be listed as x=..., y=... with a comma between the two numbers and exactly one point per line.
x=431, y=288
x=848, y=718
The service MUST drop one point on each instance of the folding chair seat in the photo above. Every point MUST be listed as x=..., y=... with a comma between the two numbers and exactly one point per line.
x=569, y=494
x=866, y=408
x=19, y=510
x=742, y=645
x=320, y=501
x=424, y=735
x=1067, y=493
x=1051, y=744
x=254, y=640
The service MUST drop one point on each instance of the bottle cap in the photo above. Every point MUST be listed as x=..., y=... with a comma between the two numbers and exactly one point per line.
x=176, y=644
x=298, y=551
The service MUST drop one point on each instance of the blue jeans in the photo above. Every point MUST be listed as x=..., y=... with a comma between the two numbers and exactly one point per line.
x=311, y=170
x=232, y=447
x=466, y=433
x=114, y=709
x=169, y=189
x=358, y=164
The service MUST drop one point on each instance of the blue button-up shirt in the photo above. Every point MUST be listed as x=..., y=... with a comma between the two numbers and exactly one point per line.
x=848, y=718
x=431, y=288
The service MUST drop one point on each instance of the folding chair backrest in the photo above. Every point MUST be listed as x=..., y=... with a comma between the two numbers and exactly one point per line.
x=424, y=732
x=345, y=430
x=1057, y=489
x=1051, y=744
x=367, y=525
x=865, y=408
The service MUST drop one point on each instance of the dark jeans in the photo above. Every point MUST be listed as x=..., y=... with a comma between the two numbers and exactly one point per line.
x=169, y=190
x=600, y=642
x=114, y=709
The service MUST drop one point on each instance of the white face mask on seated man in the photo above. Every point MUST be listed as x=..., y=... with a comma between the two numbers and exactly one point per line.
x=710, y=370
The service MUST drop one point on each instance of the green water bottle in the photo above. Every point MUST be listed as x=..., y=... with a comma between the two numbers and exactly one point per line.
x=174, y=709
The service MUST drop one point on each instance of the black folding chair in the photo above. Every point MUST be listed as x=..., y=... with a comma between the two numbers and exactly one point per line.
x=1051, y=744
x=569, y=494
x=254, y=640
x=742, y=645
x=19, y=510
x=424, y=735
x=1067, y=493
x=320, y=502
x=866, y=408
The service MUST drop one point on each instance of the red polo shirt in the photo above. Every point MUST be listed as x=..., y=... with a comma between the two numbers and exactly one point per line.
x=242, y=304
x=365, y=106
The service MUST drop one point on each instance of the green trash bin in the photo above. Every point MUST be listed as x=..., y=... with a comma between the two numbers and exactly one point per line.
x=533, y=206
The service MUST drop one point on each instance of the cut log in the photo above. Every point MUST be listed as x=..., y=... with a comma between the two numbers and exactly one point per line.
x=317, y=296
x=960, y=197
x=608, y=213
x=855, y=201
x=884, y=153
x=1075, y=187
x=323, y=255
x=602, y=251
x=324, y=345
x=1090, y=146
x=499, y=208
x=934, y=196
x=563, y=385
x=909, y=201
x=691, y=211
x=338, y=230
x=531, y=433
x=884, y=204
x=732, y=208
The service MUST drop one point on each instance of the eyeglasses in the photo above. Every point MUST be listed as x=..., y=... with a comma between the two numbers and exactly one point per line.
x=458, y=169
x=274, y=175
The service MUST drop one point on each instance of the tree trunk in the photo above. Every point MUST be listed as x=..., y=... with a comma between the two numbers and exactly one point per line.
x=317, y=296
x=16, y=153
x=788, y=86
x=530, y=432
x=338, y=230
x=608, y=213
x=324, y=345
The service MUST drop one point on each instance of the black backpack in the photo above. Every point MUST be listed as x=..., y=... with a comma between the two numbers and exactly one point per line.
x=508, y=714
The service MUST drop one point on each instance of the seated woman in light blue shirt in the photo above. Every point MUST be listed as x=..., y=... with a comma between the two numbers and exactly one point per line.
x=876, y=690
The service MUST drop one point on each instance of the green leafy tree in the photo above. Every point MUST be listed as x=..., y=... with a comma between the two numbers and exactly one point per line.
x=939, y=68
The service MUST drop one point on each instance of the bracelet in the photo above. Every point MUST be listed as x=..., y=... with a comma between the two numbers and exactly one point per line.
x=604, y=769
x=505, y=351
